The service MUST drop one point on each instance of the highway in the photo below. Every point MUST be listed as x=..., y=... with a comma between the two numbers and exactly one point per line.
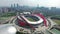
x=52, y=22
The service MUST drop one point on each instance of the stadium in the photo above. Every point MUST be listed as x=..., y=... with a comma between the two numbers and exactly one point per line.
x=31, y=21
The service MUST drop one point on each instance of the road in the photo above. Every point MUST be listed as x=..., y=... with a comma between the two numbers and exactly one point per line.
x=27, y=30
x=51, y=21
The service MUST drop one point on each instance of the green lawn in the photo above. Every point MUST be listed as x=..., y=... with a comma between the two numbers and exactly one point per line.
x=8, y=14
x=4, y=18
x=57, y=21
x=55, y=31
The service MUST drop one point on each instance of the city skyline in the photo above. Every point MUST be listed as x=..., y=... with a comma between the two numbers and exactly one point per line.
x=34, y=3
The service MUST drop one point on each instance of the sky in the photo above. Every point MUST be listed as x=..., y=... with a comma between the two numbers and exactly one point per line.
x=45, y=3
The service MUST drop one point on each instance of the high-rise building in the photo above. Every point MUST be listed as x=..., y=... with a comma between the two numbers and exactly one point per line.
x=11, y=6
x=17, y=5
x=0, y=10
x=5, y=10
x=14, y=5
x=37, y=5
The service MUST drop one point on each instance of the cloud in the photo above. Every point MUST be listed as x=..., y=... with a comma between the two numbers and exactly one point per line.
x=50, y=3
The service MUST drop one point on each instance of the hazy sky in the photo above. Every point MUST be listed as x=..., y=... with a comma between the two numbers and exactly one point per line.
x=46, y=3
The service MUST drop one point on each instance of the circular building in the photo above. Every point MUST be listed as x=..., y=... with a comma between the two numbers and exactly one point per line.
x=31, y=20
